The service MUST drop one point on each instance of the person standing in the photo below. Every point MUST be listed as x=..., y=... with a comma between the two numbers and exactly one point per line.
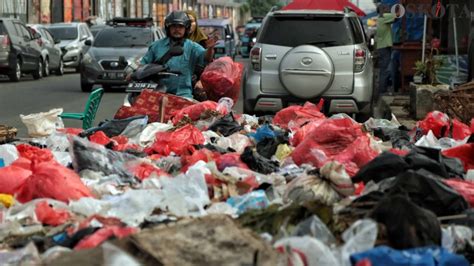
x=384, y=43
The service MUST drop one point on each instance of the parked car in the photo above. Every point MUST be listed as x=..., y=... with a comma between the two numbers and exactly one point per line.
x=306, y=55
x=73, y=37
x=50, y=51
x=125, y=37
x=97, y=28
x=222, y=28
x=19, y=52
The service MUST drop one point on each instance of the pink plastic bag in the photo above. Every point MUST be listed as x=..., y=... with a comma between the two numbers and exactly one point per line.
x=221, y=78
x=47, y=215
x=437, y=122
x=294, y=117
x=180, y=141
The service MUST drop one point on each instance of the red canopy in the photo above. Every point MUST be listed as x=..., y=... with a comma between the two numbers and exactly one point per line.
x=324, y=5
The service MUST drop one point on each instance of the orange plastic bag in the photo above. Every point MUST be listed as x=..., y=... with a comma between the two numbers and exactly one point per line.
x=181, y=141
x=294, y=117
x=47, y=215
x=222, y=78
x=54, y=181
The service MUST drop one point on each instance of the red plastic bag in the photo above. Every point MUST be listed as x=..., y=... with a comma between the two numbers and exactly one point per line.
x=99, y=137
x=144, y=170
x=12, y=178
x=301, y=133
x=463, y=187
x=437, y=122
x=103, y=234
x=294, y=117
x=460, y=130
x=54, y=181
x=180, y=141
x=472, y=126
x=47, y=215
x=34, y=154
x=194, y=111
x=335, y=139
x=222, y=78
x=70, y=130
x=200, y=155
x=149, y=103
x=464, y=152
x=230, y=160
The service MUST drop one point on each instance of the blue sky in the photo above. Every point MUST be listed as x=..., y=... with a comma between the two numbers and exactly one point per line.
x=366, y=5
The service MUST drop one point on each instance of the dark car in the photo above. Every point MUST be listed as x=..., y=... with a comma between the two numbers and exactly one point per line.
x=95, y=29
x=101, y=63
x=50, y=51
x=19, y=52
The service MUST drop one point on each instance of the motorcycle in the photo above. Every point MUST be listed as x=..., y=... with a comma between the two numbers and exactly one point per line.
x=148, y=76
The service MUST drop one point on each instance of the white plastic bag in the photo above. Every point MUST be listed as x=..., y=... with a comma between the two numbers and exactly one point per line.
x=298, y=249
x=147, y=136
x=43, y=124
x=8, y=153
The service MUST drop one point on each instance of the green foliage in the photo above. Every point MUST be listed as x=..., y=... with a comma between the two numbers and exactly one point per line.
x=262, y=7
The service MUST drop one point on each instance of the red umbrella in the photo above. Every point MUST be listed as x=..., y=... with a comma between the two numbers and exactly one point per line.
x=324, y=5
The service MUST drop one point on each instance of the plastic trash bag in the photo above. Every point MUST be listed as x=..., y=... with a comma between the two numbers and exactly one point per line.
x=302, y=132
x=144, y=170
x=294, y=117
x=90, y=206
x=226, y=126
x=437, y=122
x=148, y=134
x=463, y=187
x=373, y=123
x=222, y=78
x=12, y=178
x=34, y=154
x=283, y=151
x=135, y=127
x=457, y=238
x=263, y=132
x=91, y=156
x=257, y=162
x=460, y=130
x=224, y=105
x=305, y=251
x=268, y=146
x=359, y=237
x=8, y=153
x=7, y=201
x=186, y=194
x=194, y=111
x=28, y=255
x=113, y=127
x=314, y=227
x=426, y=256
x=250, y=201
x=47, y=215
x=229, y=160
x=100, y=138
x=180, y=141
x=236, y=142
x=103, y=234
x=43, y=124
x=52, y=180
x=464, y=152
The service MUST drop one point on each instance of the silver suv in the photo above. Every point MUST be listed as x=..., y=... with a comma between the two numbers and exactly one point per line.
x=306, y=55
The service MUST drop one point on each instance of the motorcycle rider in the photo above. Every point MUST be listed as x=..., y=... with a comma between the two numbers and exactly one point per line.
x=177, y=27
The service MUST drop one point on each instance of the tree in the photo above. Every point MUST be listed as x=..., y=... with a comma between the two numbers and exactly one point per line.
x=262, y=7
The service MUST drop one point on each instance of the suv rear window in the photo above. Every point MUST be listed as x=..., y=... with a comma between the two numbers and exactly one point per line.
x=299, y=30
x=124, y=37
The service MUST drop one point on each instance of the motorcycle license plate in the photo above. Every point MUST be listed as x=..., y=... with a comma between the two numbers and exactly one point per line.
x=141, y=86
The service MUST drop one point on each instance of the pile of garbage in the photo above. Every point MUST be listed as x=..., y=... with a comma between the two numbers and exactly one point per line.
x=210, y=186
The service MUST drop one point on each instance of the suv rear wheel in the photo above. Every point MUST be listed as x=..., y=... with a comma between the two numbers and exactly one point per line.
x=39, y=71
x=15, y=74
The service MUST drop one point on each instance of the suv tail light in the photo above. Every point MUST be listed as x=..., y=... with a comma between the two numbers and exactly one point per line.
x=359, y=60
x=256, y=58
x=5, y=41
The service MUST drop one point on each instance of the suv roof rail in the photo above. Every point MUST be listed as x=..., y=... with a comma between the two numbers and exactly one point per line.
x=131, y=22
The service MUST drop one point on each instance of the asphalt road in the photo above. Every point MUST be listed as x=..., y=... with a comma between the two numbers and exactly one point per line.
x=33, y=96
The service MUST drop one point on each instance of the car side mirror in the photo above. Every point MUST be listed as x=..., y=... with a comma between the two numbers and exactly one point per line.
x=88, y=42
x=122, y=61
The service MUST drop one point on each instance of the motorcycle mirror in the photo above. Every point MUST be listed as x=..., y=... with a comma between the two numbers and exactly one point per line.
x=122, y=61
x=176, y=51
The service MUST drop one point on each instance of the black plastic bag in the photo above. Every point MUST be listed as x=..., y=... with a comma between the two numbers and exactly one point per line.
x=384, y=166
x=432, y=160
x=226, y=126
x=268, y=146
x=398, y=137
x=111, y=128
x=258, y=163
x=428, y=191
x=406, y=224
